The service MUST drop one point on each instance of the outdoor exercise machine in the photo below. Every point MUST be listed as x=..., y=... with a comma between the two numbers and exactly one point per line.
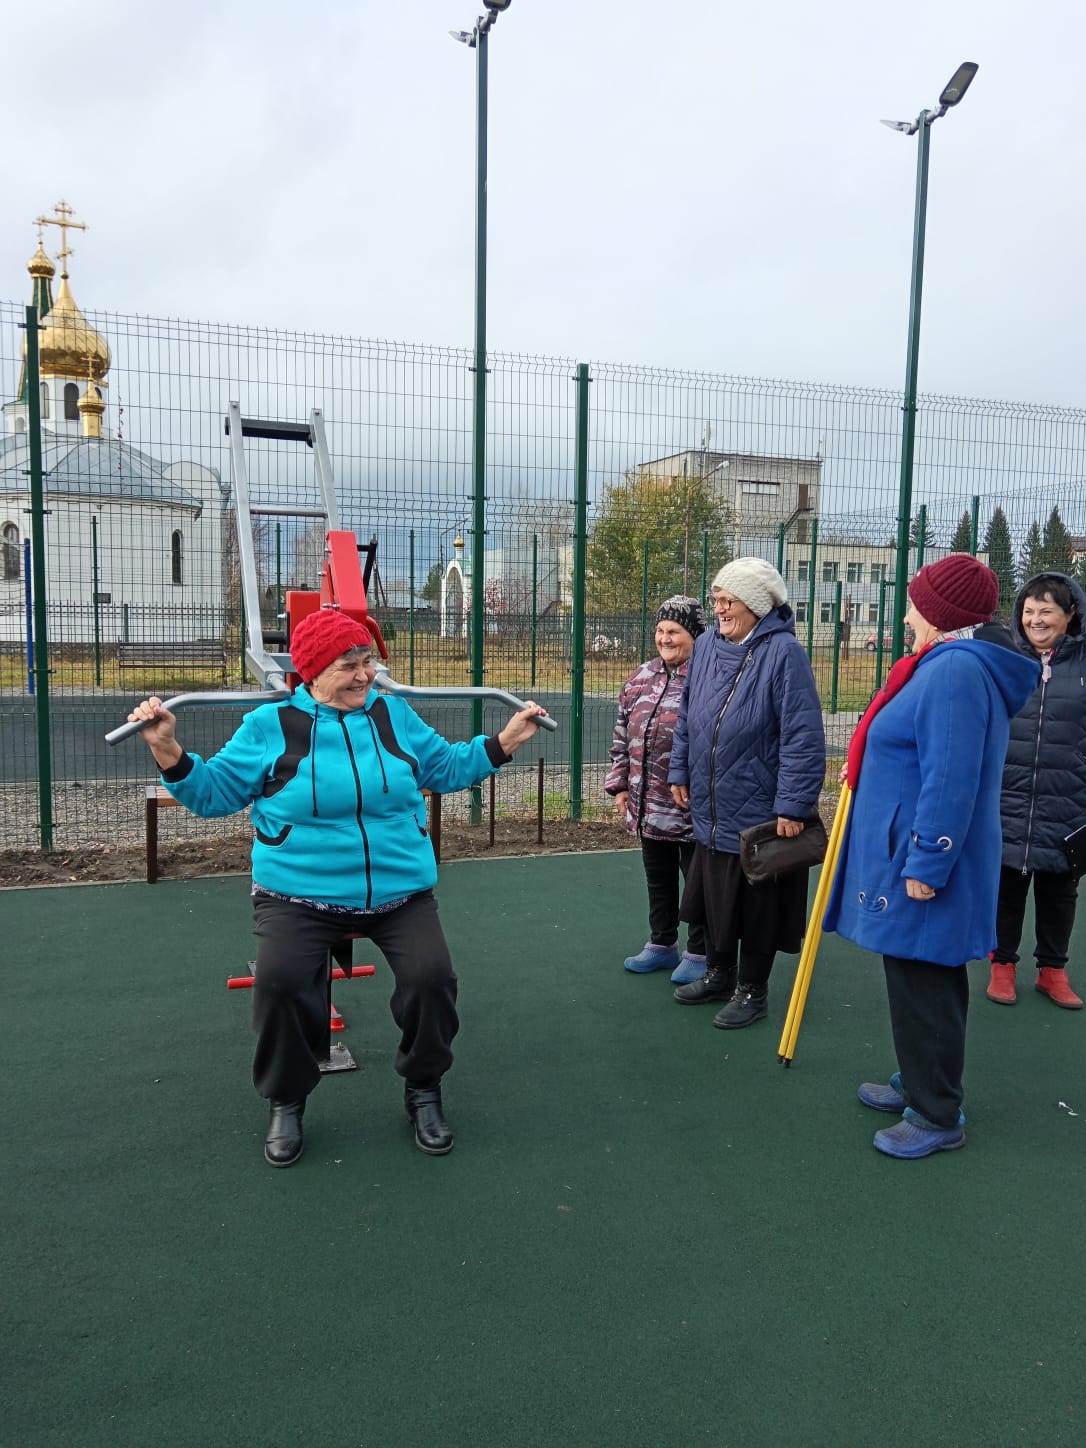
x=343, y=584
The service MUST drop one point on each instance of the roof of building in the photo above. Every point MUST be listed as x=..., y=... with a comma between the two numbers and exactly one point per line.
x=91, y=467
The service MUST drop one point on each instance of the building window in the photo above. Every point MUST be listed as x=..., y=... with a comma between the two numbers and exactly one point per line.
x=826, y=613
x=878, y=573
x=830, y=572
x=71, y=402
x=10, y=548
x=803, y=574
x=872, y=613
x=175, y=558
x=45, y=399
x=857, y=613
x=768, y=489
x=801, y=613
x=854, y=573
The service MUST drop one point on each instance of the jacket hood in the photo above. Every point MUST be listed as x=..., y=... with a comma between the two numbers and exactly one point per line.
x=1076, y=626
x=1014, y=675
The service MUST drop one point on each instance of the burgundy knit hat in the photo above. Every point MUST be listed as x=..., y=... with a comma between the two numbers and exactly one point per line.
x=321, y=637
x=955, y=592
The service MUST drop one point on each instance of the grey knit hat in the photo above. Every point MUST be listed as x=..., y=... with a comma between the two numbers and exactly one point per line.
x=686, y=612
x=754, y=582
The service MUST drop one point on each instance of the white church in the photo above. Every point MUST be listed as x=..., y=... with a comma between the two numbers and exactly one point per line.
x=133, y=545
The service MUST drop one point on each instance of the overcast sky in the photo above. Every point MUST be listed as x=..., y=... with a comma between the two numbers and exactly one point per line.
x=700, y=185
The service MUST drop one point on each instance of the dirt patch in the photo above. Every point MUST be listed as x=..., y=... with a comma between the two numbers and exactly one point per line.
x=194, y=859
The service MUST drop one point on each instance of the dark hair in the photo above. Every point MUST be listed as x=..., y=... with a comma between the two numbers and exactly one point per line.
x=1056, y=588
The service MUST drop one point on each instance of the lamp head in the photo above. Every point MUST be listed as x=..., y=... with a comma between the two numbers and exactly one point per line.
x=498, y=6
x=957, y=85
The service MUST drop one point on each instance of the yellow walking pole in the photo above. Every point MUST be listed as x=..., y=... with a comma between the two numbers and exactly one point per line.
x=811, y=941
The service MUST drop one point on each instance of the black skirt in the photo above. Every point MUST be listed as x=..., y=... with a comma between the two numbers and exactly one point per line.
x=767, y=917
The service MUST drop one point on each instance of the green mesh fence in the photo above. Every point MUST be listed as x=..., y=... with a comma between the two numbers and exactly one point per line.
x=141, y=582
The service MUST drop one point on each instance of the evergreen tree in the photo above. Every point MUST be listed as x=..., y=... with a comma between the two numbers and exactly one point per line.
x=962, y=541
x=1058, y=553
x=1000, y=550
x=1031, y=560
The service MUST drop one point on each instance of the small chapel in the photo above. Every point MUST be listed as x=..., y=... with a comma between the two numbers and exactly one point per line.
x=133, y=545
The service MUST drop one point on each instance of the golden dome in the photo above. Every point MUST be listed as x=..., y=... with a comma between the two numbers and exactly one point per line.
x=39, y=264
x=68, y=346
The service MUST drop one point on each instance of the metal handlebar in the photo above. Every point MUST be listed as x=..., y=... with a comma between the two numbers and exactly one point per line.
x=383, y=680
x=389, y=685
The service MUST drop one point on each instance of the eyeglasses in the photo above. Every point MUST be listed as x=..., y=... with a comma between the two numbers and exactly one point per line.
x=723, y=600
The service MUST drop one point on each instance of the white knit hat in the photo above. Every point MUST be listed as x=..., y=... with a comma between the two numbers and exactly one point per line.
x=754, y=582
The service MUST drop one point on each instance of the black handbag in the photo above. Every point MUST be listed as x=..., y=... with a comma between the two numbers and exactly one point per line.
x=765, y=855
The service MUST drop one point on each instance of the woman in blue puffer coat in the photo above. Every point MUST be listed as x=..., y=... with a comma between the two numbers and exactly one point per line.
x=1044, y=790
x=749, y=747
x=333, y=780
x=918, y=872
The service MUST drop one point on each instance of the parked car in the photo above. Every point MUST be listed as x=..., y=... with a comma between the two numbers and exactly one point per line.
x=871, y=643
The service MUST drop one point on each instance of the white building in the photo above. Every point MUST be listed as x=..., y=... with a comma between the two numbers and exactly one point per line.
x=133, y=546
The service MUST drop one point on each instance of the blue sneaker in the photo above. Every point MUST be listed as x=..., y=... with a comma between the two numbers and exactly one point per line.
x=653, y=957
x=913, y=1137
x=689, y=969
x=884, y=1098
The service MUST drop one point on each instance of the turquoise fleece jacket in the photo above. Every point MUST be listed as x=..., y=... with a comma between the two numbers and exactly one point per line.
x=335, y=796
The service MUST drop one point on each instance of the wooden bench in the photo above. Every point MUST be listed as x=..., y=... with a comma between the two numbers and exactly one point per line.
x=156, y=797
x=180, y=654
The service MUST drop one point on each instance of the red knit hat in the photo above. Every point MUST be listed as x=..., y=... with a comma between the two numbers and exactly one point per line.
x=955, y=592
x=321, y=637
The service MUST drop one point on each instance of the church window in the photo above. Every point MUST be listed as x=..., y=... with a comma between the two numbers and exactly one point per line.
x=45, y=399
x=10, y=548
x=71, y=402
x=175, y=557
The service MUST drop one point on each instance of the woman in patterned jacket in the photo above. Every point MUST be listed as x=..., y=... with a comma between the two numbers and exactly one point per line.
x=648, y=707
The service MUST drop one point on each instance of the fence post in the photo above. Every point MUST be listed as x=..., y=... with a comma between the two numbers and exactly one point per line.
x=921, y=535
x=974, y=525
x=96, y=599
x=37, y=550
x=836, y=644
x=644, y=597
x=811, y=588
x=411, y=606
x=580, y=557
x=881, y=626
x=535, y=601
x=28, y=600
x=704, y=571
x=780, y=549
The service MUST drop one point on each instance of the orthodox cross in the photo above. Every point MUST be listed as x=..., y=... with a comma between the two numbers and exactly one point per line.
x=63, y=219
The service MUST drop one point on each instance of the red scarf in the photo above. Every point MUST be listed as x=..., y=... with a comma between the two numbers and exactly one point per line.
x=896, y=680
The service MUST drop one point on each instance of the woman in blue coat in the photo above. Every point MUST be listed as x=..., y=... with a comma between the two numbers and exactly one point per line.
x=1044, y=791
x=333, y=781
x=918, y=873
x=749, y=747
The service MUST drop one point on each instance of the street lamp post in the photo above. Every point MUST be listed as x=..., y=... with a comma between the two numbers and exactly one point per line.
x=477, y=39
x=955, y=88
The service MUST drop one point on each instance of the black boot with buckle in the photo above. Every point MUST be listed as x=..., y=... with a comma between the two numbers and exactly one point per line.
x=716, y=984
x=746, y=1006
x=283, y=1143
x=433, y=1135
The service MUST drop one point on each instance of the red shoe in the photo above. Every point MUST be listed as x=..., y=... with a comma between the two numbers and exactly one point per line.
x=1053, y=983
x=1001, y=985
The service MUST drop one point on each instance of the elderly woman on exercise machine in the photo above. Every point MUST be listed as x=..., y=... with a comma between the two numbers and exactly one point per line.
x=333, y=777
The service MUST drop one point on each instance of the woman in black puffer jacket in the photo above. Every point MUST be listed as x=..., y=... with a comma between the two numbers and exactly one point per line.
x=1044, y=790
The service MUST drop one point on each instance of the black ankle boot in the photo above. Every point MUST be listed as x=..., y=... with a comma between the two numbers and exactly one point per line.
x=283, y=1143
x=746, y=1006
x=433, y=1134
x=715, y=985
